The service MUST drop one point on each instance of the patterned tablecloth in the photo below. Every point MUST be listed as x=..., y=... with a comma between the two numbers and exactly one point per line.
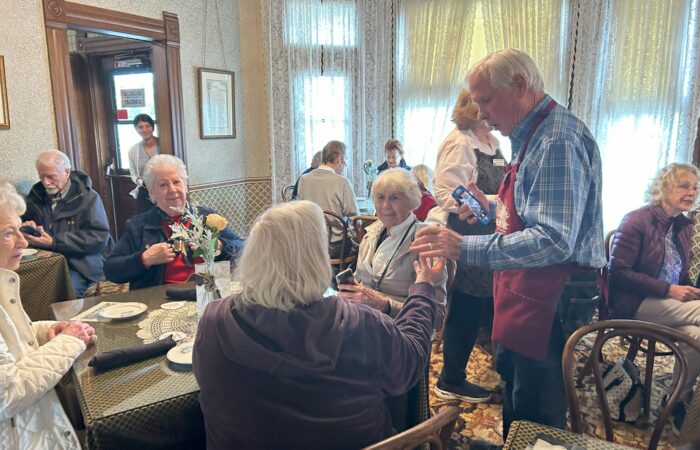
x=151, y=404
x=523, y=434
x=44, y=279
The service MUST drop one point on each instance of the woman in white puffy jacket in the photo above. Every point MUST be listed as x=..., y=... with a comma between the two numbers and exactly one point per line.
x=33, y=356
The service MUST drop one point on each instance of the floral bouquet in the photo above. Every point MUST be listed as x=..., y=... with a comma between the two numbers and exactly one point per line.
x=202, y=236
x=371, y=170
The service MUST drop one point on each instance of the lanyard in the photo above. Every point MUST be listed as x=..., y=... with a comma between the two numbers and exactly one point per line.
x=541, y=115
x=405, y=235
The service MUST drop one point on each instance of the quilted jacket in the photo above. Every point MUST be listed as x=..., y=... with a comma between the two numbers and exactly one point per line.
x=31, y=416
x=637, y=255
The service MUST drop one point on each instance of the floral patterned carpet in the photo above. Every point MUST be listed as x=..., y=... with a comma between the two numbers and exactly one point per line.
x=483, y=421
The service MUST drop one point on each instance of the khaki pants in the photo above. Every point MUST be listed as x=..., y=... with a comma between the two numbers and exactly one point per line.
x=684, y=317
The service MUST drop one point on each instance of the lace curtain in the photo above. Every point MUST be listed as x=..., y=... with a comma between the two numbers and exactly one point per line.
x=329, y=77
x=636, y=85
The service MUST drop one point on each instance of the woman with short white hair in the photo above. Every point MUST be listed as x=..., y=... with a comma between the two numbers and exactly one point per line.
x=384, y=265
x=144, y=255
x=34, y=356
x=315, y=370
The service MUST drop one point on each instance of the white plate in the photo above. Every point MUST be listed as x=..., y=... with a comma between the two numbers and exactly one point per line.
x=29, y=251
x=172, y=305
x=181, y=354
x=177, y=335
x=123, y=310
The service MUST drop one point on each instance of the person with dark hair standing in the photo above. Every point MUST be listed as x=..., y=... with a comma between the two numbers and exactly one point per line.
x=139, y=155
x=394, y=156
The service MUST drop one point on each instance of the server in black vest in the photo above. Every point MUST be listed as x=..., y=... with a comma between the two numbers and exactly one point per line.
x=469, y=153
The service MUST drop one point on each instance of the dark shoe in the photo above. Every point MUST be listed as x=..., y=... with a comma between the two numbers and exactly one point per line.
x=465, y=391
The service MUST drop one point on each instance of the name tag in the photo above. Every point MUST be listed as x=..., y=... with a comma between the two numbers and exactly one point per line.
x=498, y=162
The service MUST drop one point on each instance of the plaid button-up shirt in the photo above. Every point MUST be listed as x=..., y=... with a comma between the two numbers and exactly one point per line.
x=557, y=196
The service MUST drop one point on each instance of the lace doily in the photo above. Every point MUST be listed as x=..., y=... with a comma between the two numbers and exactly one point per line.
x=161, y=321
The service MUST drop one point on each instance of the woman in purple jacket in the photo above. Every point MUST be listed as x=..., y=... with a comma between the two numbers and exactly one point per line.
x=648, y=266
x=280, y=366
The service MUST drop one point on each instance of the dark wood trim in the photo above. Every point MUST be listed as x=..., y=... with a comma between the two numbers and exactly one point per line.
x=59, y=15
x=221, y=184
x=696, y=147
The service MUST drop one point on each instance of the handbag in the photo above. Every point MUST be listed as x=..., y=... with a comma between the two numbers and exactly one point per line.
x=624, y=390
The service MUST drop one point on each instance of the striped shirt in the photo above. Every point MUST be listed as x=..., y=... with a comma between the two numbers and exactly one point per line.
x=557, y=197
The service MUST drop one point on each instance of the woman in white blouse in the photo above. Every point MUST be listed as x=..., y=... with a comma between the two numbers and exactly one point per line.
x=384, y=265
x=34, y=356
x=139, y=154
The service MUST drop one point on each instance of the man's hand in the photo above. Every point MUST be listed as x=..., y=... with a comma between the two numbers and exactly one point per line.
x=161, y=253
x=79, y=330
x=429, y=270
x=683, y=293
x=43, y=241
x=435, y=241
x=465, y=212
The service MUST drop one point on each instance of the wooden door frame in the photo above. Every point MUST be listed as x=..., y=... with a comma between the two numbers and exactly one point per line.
x=60, y=15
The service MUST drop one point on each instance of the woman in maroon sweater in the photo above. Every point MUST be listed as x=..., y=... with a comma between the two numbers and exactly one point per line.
x=648, y=268
x=279, y=366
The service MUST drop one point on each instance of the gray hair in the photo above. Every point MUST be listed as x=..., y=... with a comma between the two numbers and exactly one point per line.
x=158, y=161
x=285, y=261
x=332, y=150
x=53, y=157
x=397, y=180
x=317, y=159
x=500, y=67
x=424, y=175
x=9, y=198
x=666, y=178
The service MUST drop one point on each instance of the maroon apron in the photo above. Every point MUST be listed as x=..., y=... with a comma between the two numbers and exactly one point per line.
x=525, y=300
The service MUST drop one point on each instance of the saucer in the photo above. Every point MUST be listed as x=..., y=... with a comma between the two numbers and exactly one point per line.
x=181, y=354
x=172, y=305
x=123, y=310
x=176, y=335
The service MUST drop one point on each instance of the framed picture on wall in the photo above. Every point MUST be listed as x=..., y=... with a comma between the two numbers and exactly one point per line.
x=217, y=116
x=4, y=109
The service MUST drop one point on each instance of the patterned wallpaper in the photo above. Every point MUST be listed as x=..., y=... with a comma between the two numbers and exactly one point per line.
x=239, y=201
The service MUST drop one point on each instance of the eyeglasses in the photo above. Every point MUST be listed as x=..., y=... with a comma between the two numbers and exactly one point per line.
x=688, y=187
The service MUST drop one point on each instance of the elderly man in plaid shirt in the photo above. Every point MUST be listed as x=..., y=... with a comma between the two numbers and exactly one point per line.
x=548, y=226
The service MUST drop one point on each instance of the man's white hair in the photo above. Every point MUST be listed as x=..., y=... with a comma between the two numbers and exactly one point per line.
x=285, y=261
x=159, y=161
x=398, y=180
x=500, y=67
x=9, y=198
x=55, y=158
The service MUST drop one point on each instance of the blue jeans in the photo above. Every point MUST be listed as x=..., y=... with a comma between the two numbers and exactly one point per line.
x=80, y=283
x=534, y=389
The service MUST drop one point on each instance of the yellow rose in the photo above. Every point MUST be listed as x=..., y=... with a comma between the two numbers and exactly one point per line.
x=216, y=222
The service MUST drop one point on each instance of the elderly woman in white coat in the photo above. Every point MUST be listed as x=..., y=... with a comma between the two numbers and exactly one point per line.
x=34, y=356
x=384, y=265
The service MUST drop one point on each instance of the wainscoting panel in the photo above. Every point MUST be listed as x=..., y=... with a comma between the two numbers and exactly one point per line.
x=240, y=201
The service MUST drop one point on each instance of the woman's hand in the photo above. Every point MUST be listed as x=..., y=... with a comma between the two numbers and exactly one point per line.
x=161, y=253
x=429, y=270
x=683, y=293
x=79, y=330
x=358, y=293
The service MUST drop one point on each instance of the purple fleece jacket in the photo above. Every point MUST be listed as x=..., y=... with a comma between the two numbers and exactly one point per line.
x=314, y=377
x=637, y=255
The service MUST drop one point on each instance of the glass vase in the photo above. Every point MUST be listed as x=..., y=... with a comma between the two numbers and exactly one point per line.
x=220, y=286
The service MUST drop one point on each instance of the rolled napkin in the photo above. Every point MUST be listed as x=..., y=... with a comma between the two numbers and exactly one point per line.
x=187, y=292
x=115, y=358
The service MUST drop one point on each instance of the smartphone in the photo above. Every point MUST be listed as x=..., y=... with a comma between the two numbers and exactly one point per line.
x=345, y=277
x=30, y=230
x=463, y=195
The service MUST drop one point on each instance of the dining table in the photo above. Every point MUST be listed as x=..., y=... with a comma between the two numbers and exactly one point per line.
x=151, y=404
x=44, y=279
x=524, y=434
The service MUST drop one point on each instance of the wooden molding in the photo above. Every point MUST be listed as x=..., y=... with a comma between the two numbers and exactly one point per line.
x=221, y=184
x=696, y=147
x=59, y=15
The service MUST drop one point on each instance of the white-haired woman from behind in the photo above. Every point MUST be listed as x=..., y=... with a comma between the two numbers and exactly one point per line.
x=384, y=265
x=34, y=356
x=314, y=370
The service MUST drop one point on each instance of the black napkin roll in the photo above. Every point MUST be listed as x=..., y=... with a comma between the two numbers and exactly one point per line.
x=188, y=292
x=116, y=358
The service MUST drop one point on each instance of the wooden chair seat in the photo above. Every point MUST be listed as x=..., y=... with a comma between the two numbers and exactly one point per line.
x=436, y=431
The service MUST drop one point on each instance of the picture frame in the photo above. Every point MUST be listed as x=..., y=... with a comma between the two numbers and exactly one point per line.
x=217, y=115
x=4, y=108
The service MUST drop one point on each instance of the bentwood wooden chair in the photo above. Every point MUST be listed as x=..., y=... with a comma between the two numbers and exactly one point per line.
x=337, y=226
x=636, y=330
x=360, y=224
x=287, y=192
x=436, y=431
